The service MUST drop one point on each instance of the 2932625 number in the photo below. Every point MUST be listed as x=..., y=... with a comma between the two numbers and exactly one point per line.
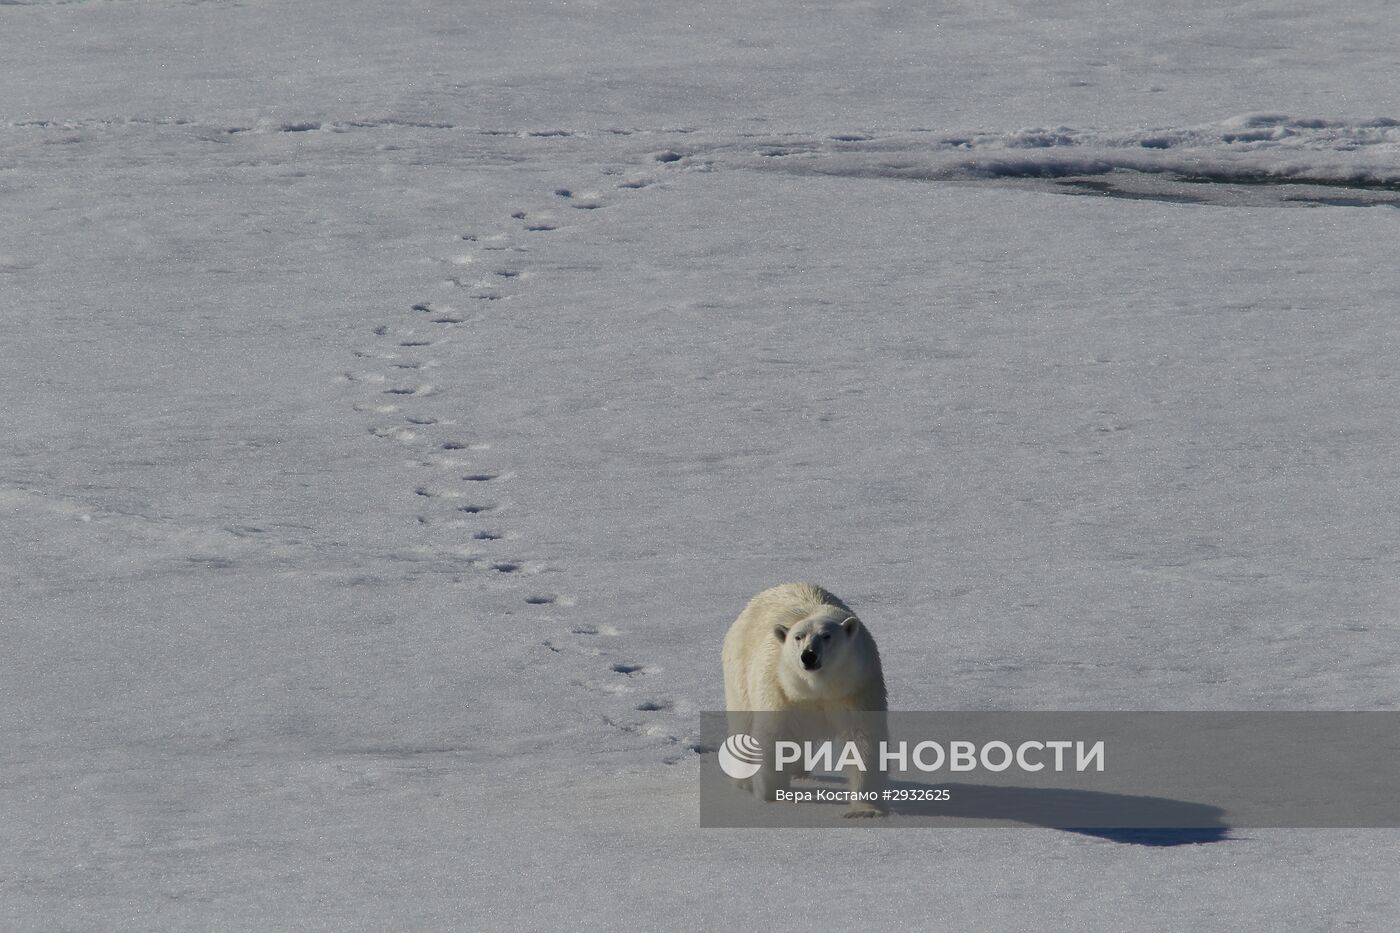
x=934, y=794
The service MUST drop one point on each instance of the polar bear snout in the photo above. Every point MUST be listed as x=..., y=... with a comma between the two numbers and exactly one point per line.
x=811, y=660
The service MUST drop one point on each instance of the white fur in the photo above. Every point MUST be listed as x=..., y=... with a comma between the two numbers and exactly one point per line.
x=764, y=672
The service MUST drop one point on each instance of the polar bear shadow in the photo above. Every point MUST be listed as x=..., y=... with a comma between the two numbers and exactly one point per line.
x=1126, y=818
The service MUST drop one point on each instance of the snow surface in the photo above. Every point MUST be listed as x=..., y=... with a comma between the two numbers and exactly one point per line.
x=401, y=400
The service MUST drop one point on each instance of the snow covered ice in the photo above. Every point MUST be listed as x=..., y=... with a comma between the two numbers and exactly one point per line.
x=402, y=399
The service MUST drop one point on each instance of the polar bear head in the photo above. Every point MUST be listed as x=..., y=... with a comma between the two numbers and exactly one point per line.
x=823, y=651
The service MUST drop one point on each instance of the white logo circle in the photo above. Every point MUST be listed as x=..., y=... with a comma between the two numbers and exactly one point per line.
x=740, y=756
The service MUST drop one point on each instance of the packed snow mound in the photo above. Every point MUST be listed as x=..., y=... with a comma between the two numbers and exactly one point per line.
x=1250, y=131
x=1252, y=148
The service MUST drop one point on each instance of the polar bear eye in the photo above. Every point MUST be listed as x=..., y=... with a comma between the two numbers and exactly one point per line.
x=826, y=637
x=802, y=636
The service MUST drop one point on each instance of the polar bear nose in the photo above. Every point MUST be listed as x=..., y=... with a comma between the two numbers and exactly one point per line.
x=810, y=660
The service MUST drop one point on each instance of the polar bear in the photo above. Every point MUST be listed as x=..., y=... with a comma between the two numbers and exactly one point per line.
x=802, y=660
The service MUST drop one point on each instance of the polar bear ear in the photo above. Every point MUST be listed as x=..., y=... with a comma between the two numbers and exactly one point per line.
x=780, y=631
x=851, y=625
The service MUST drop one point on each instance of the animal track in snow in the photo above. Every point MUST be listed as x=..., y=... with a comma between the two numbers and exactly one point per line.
x=494, y=243
x=621, y=672
x=443, y=314
x=398, y=433
x=478, y=289
x=427, y=492
x=417, y=391
x=576, y=650
x=584, y=629
x=555, y=599
x=536, y=222
x=456, y=484
x=582, y=201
